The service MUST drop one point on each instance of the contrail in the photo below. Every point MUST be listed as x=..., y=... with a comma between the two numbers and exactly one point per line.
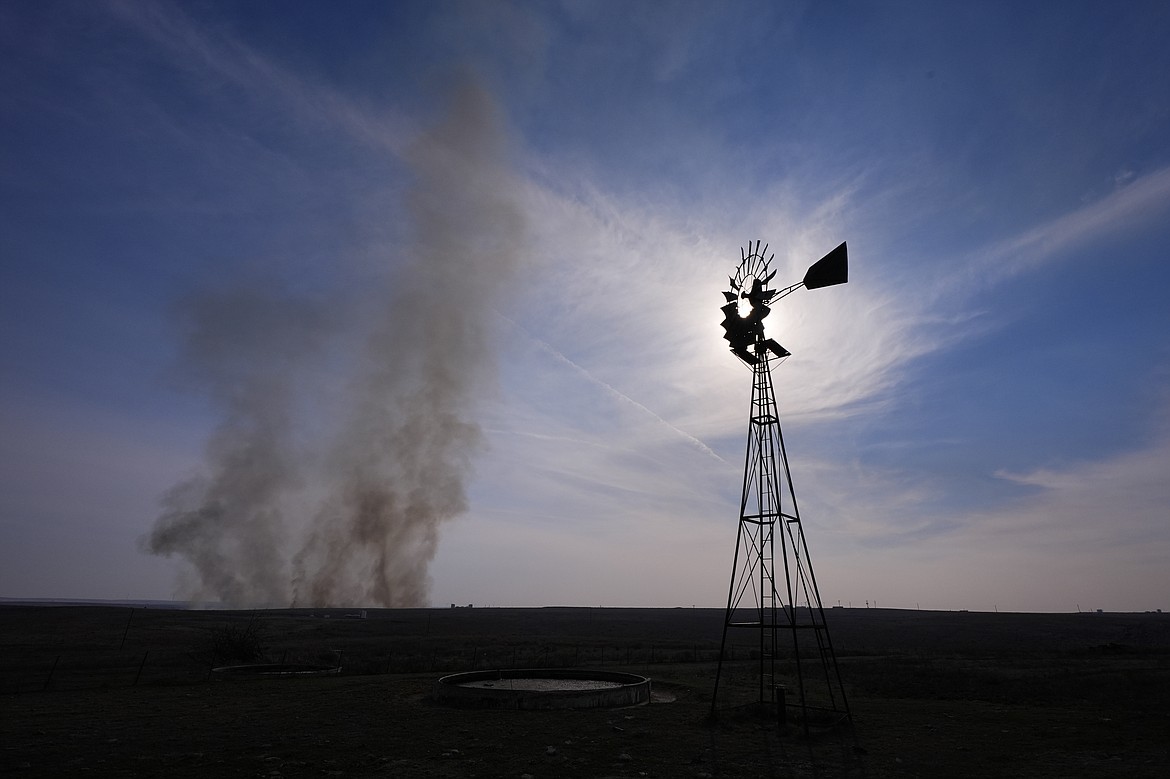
x=614, y=392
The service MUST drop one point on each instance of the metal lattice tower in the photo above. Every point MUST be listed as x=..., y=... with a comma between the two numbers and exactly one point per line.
x=779, y=604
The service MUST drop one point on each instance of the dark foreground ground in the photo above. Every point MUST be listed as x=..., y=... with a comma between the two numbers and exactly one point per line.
x=103, y=691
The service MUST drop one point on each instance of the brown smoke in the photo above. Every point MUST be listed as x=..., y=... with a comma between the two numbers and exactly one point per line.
x=396, y=464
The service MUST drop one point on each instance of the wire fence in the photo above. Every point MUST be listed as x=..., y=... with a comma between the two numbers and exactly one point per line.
x=74, y=648
x=114, y=668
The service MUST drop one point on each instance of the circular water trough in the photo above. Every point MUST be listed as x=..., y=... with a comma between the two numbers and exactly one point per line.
x=542, y=688
x=275, y=669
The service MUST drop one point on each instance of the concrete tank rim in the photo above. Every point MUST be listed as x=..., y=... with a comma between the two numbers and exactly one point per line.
x=585, y=674
x=632, y=689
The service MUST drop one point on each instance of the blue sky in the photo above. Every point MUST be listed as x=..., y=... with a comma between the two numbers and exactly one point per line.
x=980, y=419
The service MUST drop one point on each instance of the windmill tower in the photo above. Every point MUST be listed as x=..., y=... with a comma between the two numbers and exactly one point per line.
x=773, y=595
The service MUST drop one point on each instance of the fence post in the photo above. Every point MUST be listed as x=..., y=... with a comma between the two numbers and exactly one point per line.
x=127, y=630
x=145, y=655
x=49, y=678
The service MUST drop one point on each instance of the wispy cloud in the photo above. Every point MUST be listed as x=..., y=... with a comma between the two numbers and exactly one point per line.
x=1106, y=506
x=1093, y=533
x=1135, y=202
x=220, y=56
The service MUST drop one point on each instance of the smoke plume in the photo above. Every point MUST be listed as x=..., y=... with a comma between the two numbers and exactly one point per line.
x=394, y=463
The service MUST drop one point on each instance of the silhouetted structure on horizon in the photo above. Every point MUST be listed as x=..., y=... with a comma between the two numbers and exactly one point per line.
x=787, y=616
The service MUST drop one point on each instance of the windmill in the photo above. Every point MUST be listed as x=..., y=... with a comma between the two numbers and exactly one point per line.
x=779, y=605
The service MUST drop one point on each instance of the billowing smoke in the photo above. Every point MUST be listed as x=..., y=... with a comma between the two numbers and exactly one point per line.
x=394, y=465
x=243, y=348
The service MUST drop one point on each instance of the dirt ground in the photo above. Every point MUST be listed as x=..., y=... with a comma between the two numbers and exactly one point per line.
x=103, y=691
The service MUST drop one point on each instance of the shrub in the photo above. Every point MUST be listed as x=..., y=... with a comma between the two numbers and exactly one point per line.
x=236, y=644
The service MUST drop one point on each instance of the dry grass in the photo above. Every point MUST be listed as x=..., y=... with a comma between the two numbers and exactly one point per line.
x=933, y=694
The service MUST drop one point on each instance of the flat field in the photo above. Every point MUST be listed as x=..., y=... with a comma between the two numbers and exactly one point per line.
x=110, y=691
